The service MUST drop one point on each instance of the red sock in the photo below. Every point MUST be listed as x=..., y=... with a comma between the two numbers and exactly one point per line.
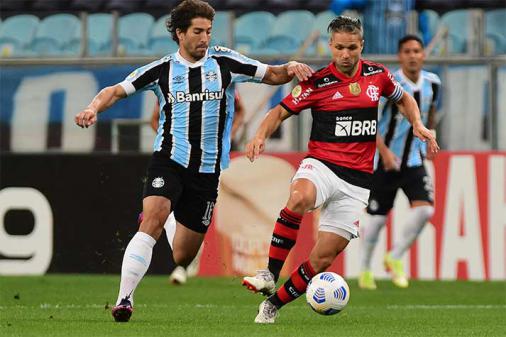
x=283, y=239
x=295, y=286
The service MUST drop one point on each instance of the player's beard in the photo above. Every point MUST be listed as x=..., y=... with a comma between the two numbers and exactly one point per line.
x=347, y=69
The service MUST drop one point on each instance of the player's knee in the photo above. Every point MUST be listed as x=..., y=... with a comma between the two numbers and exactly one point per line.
x=321, y=263
x=299, y=202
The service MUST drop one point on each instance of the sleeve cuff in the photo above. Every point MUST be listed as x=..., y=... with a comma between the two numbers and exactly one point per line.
x=128, y=87
x=261, y=70
x=287, y=108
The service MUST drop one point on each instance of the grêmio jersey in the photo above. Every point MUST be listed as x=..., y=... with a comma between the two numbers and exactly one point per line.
x=196, y=104
x=345, y=111
x=396, y=130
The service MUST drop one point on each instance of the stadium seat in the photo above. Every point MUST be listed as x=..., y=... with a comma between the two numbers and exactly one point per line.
x=251, y=30
x=100, y=34
x=133, y=31
x=16, y=34
x=222, y=25
x=428, y=23
x=160, y=40
x=282, y=36
x=320, y=25
x=58, y=35
x=495, y=23
x=458, y=23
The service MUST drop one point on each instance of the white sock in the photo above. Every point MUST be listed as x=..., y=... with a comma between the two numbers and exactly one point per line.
x=135, y=264
x=415, y=221
x=369, y=237
x=170, y=229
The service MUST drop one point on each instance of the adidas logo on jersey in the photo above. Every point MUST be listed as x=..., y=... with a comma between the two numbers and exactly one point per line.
x=206, y=95
x=337, y=95
x=346, y=126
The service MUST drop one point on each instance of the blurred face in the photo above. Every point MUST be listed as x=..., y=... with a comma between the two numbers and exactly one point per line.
x=346, y=49
x=195, y=41
x=411, y=57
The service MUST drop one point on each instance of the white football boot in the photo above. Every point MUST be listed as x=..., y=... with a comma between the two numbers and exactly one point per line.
x=178, y=276
x=267, y=313
x=262, y=282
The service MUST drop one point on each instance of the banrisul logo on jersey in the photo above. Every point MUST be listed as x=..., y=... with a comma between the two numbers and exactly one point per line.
x=207, y=95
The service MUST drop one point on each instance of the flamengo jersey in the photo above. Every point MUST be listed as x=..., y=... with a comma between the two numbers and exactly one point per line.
x=345, y=110
x=196, y=104
x=395, y=129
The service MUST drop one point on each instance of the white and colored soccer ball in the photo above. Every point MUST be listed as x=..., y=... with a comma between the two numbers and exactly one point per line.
x=327, y=293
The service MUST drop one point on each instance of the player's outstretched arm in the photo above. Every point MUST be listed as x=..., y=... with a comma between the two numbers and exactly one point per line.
x=407, y=105
x=271, y=122
x=104, y=99
x=285, y=73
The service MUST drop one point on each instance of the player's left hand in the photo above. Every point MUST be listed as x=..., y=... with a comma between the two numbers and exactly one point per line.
x=301, y=70
x=425, y=135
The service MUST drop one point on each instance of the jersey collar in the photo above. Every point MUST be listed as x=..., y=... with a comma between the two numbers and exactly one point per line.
x=187, y=63
x=415, y=86
x=342, y=76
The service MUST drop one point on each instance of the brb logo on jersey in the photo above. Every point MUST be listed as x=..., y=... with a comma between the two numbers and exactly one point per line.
x=206, y=95
x=346, y=127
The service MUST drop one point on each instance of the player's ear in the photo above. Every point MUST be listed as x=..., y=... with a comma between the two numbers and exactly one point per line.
x=362, y=45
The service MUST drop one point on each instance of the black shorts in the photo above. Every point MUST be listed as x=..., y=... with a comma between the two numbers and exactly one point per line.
x=192, y=194
x=413, y=181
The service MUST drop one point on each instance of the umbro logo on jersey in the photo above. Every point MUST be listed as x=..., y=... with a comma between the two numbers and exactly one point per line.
x=206, y=95
x=337, y=95
x=211, y=76
x=179, y=79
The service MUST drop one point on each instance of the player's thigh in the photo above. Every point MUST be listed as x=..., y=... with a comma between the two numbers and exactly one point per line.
x=195, y=206
x=383, y=190
x=340, y=214
x=417, y=185
x=163, y=179
x=317, y=180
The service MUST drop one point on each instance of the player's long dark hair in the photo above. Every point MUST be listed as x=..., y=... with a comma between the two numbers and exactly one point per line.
x=181, y=16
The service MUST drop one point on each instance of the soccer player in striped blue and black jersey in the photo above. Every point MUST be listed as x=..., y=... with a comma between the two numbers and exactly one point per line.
x=192, y=146
x=401, y=165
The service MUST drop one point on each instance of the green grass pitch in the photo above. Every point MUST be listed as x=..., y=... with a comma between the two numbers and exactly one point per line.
x=79, y=305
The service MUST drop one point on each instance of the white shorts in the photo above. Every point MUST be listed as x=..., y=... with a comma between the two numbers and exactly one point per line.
x=341, y=202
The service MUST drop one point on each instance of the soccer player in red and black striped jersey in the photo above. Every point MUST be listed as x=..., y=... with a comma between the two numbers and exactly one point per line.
x=336, y=174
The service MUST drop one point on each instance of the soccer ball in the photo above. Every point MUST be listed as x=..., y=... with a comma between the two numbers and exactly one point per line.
x=327, y=293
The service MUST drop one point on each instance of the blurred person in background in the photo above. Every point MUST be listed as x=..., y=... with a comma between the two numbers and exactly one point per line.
x=180, y=274
x=400, y=164
x=192, y=146
x=336, y=175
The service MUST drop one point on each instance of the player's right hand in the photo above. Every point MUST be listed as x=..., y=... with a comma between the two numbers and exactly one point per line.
x=390, y=161
x=254, y=148
x=86, y=118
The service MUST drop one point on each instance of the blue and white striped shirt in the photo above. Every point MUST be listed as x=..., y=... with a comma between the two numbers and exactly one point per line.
x=196, y=104
x=396, y=130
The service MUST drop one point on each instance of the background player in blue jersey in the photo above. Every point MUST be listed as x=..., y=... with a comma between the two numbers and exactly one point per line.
x=196, y=97
x=401, y=165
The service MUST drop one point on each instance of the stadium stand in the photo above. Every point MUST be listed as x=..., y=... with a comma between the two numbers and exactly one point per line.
x=222, y=29
x=16, y=34
x=49, y=5
x=282, y=37
x=320, y=25
x=125, y=6
x=252, y=29
x=87, y=5
x=134, y=30
x=58, y=35
x=241, y=4
x=100, y=34
x=160, y=41
x=458, y=23
x=428, y=22
x=495, y=30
